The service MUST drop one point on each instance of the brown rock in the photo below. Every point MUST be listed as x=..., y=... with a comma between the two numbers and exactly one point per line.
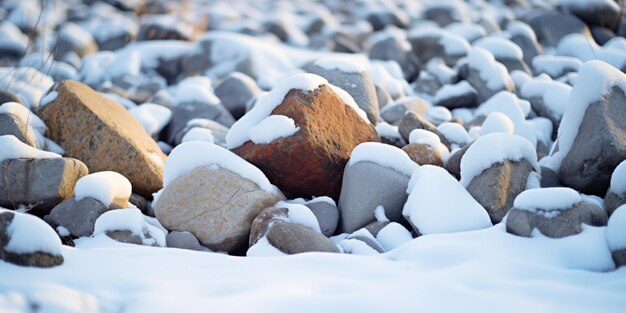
x=215, y=205
x=293, y=238
x=423, y=154
x=101, y=133
x=311, y=162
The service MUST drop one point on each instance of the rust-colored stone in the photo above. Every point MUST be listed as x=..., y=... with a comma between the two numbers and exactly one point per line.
x=102, y=134
x=422, y=154
x=311, y=161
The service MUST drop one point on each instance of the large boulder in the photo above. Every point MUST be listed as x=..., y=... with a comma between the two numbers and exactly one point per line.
x=26, y=240
x=556, y=212
x=216, y=205
x=311, y=161
x=102, y=134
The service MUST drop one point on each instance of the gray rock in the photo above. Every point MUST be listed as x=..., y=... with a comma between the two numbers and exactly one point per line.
x=555, y=223
x=467, y=98
x=453, y=166
x=496, y=187
x=153, y=30
x=183, y=240
x=383, y=97
x=235, y=91
x=599, y=146
x=529, y=45
x=514, y=65
x=185, y=112
x=412, y=121
x=215, y=205
x=358, y=84
x=262, y=222
x=549, y=178
x=218, y=130
x=426, y=83
x=380, y=19
x=428, y=45
x=35, y=259
x=12, y=125
x=140, y=202
x=360, y=195
x=327, y=216
x=596, y=13
x=394, y=112
x=8, y=96
x=612, y=201
x=471, y=73
x=392, y=49
x=39, y=184
x=375, y=227
x=368, y=240
x=601, y=35
x=66, y=44
x=78, y=216
x=293, y=238
x=619, y=257
x=551, y=27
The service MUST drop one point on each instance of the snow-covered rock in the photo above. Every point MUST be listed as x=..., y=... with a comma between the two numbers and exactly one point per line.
x=616, y=237
x=129, y=226
x=107, y=187
x=616, y=195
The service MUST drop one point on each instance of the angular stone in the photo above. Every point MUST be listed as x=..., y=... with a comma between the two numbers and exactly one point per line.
x=12, y=125
x=327, y=216
x=216, y=205
x=77, y=216
x=551, y=27
x=101, y=133
x=185, y=112
x=40, y=184
x=183, y=240
x=235, y=91
x=311, y=162
x=293, y=238
x=423, y=154
x=367, y=185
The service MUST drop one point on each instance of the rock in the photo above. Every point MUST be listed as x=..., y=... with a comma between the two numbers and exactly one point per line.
x=366, y=237
x=426, y=83
x=485, y=74
x=156, y=29
x=381, y=18
x=524, y=37
x=7, y=96
x=453, y=166
x=599, y=145
x=551, y=27
x=601, y=35
x=394, y=112
x=101, y=133
x=360, y=196
x=125, y=236
x=327, y=216
x=459, y=95
x=496, y=187
x=432, y=43
x=41, y=246
x=218, y=130
x=128, y=225
x=596, y=13
x=552, y=220
x=77, y=216
x=393, y=49
x=311, y=162
x=412, y=121
x=235, y=91
x=13, y=125
x=423, y=154
x=357, y=83
x=185, y=112
x=183, y=240
x=615, y=236
x=74, y=39
x=293, y=238
x=216, y=205
x=140, y=202
x=616, y=195
x=375, y=227
x=383, y=97
x=40, y=184
x=549, y=178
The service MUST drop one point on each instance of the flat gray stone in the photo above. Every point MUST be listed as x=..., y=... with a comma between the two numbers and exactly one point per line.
x=235, y=91
x=327, y=216
x=78, y=216
x=293, y=238
x=183, y=240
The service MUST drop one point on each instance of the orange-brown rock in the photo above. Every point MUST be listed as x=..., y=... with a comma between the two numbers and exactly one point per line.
x=102, y=134
x=422, y=154
x=311, y=161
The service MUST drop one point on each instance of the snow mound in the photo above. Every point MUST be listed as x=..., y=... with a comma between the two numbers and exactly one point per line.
x=131, y=220
x=437, y=203
x=430, y=139
x=556, y=65
x=190, y=155
x=618, y=179
x=300, y=214
x=263, y=248
x=26, y=82
x=553, y=93
x=343, y=64
x=580, y=47
x=29, y=234
x=241, y=131
x=495, y=148
x=271, y=128
x=451, y=91
x=13, y=148
x=454, y=132
x=616, y=229
x=383, y=155
x=497, y=122
x=195, y=89
x=199, y=134
x=515, y=108
x=152, y=116
x=500, y=47
x=438, y=115
x=490, y=71
x=547, y=199
x=593, y=82
x=103, y=186
x=392, y=236
x=385, y=129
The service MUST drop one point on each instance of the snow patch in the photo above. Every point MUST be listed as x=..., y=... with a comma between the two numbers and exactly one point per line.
x=272, y=128
x=103, y=186
x=13, y=148
x=383, y=155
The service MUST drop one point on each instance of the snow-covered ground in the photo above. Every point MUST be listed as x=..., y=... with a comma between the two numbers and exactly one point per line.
x=485, y=270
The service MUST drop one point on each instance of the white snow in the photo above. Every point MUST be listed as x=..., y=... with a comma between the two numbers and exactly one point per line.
x=616, y=229
x=326, y=199
x=383, y=155
x=454, y=90
x=443, y=73
x=553, y=93
x=454, y=132
x=588, y=4
x=152, y=116
x=520, y=78
x=579, y=46
x=387, y=130
x=13, y=148
x=344, y=64
x=199, y=134
x=490, y=71
x=272, y=128
x=517, y=28
x=497, y=122
x=357, y=247
x=75, y=35
x=437, y=203
x=62, y=231
x=300, y=214
x=438, y=115
x=547, y=199
x=500, y=47
x=471, y=32
x=131, y=220
x=241, y=131
x=616, y=43
x=507, y=103
x=495, y=148
x=263, y=248
x=430, y=139
x=28, y=234
x=392, y=236
x=195, y=89
x=593, y=82
x=379, y=214
x=35, y=126
x=103, y=186
x=26, y=82
x=453, y=44
x=49, y=98
x=381, y=77
x=190, y=155
x=11, y=37
x=554, y=65
x=618, y=179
